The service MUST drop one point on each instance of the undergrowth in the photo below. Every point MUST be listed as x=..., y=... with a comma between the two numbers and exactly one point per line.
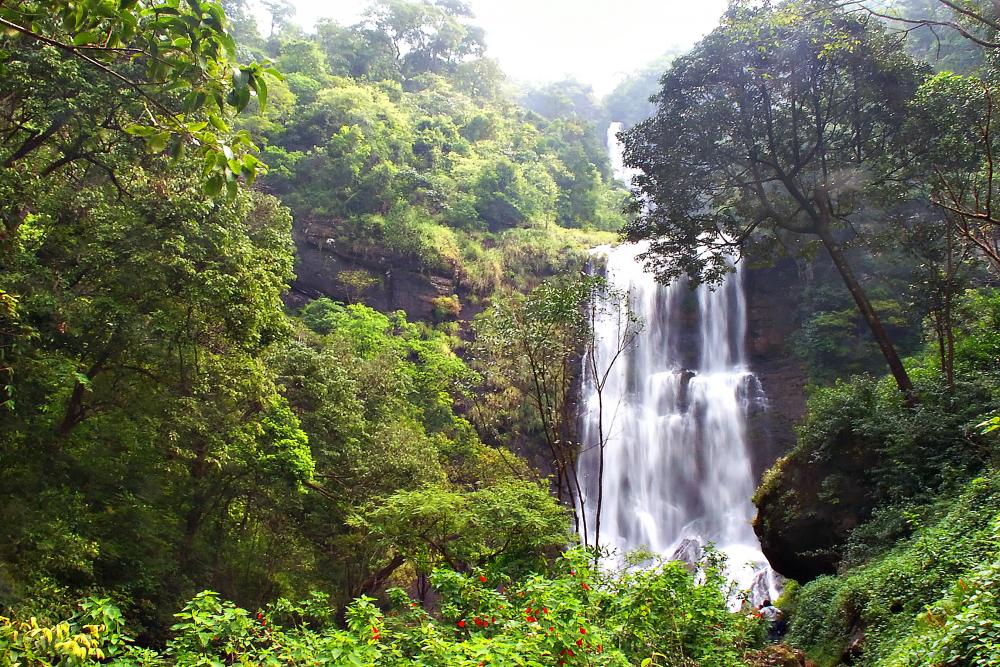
x=930, y=598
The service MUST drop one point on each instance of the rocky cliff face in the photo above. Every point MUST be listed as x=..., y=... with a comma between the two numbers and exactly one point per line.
x=325, y=267
x=772, y=316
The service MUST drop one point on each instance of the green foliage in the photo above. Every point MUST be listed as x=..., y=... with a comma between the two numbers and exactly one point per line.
x=933, y=525
x=435, y=37
x=833, y=341
x=918, y=451
x=404, y=482
x=952, y=117
x=723, y=156
x=530, y=344
x=171, y=63
x=446, y=307
x=945, y=49
x=431, y=168
x=146, y=314
x=888, y=597
x=92, y=636
x=166, y=425
x=629, y=103
x=962, y=627
x=506, y=526
x=574, y=616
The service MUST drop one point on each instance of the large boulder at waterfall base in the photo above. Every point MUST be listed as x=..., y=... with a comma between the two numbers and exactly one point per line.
x=807, y=507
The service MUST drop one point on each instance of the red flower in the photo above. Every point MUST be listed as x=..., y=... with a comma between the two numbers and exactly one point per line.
x=376, y=633
x=572, y=573
x=259, y=615
x=482, y=578
x=584, y=586
x=545, y=610
x=600, y=648
x=583, y=631
x=461, y=624
x=552, y=628
x=531, y=619
x=579, y=642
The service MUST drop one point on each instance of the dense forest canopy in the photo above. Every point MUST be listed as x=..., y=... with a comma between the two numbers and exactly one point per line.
x=191, y=432
x=181, y=414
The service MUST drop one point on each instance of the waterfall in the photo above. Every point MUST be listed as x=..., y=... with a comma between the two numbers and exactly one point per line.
x=677, y=469
x=615, y=147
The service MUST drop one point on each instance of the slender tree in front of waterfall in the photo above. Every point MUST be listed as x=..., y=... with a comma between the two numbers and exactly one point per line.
x=535, y=342
x=611, y=318
x=532, y=342
x=785, y=122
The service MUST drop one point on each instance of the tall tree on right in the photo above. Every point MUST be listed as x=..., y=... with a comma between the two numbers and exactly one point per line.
x=782, y=122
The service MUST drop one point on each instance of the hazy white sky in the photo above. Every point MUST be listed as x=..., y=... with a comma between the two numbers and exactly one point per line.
x=594, y=41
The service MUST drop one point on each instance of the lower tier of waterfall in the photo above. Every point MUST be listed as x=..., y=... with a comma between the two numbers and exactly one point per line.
x=676, y=471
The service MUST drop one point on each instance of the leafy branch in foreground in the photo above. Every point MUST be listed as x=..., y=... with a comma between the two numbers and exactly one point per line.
x=175, y=60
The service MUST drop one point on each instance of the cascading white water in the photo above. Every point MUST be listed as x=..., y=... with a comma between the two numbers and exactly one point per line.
x=677, y=470
x=615, y=154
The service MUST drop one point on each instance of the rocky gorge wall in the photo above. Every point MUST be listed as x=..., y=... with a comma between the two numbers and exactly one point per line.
x=321, y=262
x=773, y=295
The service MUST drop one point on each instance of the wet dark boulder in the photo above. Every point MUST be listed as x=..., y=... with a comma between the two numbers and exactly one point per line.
x=778, y=655
x=808, y=504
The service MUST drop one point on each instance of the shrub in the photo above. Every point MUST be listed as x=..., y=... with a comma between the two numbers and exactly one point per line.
x=879, y=602
x=963, y=628
x=664, y=614
x=446, y=307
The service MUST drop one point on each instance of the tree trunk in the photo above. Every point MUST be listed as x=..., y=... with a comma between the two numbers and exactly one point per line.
x=377, y=579
x=948, y=325
x=868, y=312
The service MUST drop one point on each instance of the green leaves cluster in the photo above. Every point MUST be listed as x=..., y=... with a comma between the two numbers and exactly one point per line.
x=402, y=481
x=963, y=626
x=172, y=61
x=927, y=600
x=572, y=616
